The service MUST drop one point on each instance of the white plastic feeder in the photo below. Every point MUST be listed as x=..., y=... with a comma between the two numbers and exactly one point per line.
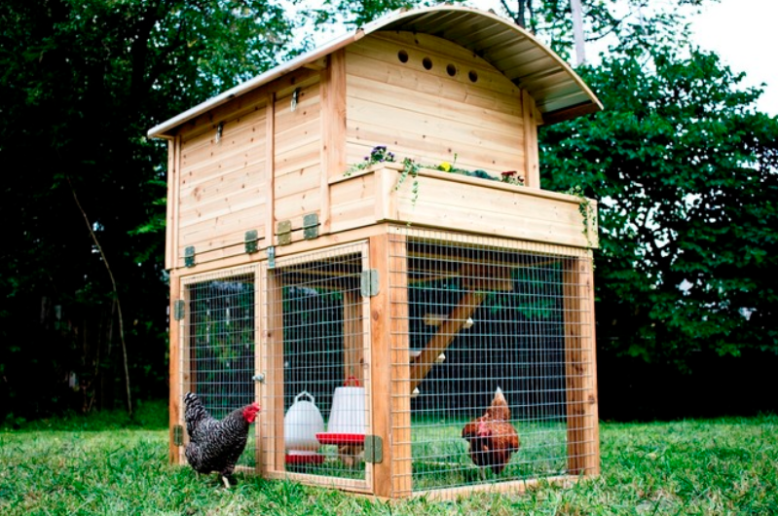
x=301, y=424
x=347, y=417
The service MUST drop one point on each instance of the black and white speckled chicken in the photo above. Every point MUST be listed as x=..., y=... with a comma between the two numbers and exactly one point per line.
x=216, y=445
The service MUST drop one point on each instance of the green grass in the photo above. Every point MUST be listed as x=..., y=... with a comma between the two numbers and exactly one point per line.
x=107, y=465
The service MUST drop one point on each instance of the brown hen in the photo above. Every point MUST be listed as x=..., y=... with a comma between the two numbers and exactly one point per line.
x=492, y=437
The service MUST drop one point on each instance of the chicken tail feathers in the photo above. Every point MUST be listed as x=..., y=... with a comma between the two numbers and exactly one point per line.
x=194, y=412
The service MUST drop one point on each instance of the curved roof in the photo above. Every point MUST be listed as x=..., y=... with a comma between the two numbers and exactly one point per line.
x=559, y=92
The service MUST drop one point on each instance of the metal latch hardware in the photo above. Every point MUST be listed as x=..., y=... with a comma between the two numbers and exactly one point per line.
x=374, y=449
x=251, y=240
x=189, y=256
x=369, y=285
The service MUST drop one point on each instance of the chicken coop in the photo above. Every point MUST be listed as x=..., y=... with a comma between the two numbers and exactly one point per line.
x=359, y=241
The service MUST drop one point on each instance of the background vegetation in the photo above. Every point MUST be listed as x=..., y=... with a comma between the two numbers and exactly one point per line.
x=684, y=167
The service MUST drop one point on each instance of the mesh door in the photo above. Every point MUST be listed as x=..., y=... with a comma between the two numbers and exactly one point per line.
x=317, y=386
x=219, y=338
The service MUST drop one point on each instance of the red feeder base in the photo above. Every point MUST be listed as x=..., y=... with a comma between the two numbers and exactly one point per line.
x=328, y=438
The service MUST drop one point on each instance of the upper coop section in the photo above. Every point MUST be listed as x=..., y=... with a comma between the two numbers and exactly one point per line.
x=274, y=155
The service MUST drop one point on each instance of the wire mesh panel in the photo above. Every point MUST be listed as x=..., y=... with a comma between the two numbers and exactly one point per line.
x=218, y=348
x=498, y=337
x=315, y=354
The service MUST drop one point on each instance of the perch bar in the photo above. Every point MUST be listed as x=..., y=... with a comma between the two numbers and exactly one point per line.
x=446, y=333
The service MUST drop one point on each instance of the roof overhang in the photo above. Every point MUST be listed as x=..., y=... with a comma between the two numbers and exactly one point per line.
x=559, y=92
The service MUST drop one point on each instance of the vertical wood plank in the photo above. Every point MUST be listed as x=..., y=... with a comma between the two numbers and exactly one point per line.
x=389, y=366
x=172, y=178
x=573, y=367
x=582, y=414
x=333, y=128
x=275, y=372
x=532, y=166
x=258, y=394
x=402, y=467
x=174, y=407
x=176, y=200
x=592, y=415
x=353, y=345
x=270, y=160
x=381, y=366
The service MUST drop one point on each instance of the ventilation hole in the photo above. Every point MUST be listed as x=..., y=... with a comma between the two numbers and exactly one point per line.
x=451, y=70
x=473, y=76
x=427, y=62
x=402, y=55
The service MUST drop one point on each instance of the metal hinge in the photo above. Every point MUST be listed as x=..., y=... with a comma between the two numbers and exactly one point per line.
x=284, y=232
x=251, y=241
x=374, y=449
x=311, y=226
x=369, y=284
x=179, y=309
x=271, y=257
x=189, y=256
x=178, y=435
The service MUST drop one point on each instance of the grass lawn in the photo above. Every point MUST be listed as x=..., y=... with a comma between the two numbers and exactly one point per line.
x=105, y=464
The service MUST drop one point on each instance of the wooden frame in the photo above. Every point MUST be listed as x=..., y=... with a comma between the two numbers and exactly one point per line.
x=181, y=366
x=356, y=324
x=453, y=201
x=582, y=422
x=386, y=359
x=426, y=94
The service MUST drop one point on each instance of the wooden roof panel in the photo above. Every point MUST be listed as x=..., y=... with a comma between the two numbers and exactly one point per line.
x=558, y=91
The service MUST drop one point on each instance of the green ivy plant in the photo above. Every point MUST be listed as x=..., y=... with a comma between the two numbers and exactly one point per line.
x=380, y=154
x=585, y=208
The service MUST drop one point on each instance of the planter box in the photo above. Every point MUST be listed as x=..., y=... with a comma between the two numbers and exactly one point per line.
x=453, y=201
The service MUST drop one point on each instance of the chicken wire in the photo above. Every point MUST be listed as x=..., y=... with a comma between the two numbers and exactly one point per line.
x=525, y=328
x=219, y=332
x=317, y=390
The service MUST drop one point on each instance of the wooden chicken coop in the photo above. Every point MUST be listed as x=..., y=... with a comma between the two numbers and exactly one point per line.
x=373, y=304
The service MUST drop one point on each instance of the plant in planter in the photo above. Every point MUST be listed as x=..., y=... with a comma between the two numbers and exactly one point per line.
x=512, y=177
x=380, y=154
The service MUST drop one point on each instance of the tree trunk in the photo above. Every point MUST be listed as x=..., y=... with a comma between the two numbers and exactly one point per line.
x=116, y=298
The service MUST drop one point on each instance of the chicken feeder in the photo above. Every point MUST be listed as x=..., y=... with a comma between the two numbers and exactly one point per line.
x=347, y=417
x=301, y=424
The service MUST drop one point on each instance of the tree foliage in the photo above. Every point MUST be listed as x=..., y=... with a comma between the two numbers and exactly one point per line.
x=81, y=83
x=620, y=20
x=686, y=174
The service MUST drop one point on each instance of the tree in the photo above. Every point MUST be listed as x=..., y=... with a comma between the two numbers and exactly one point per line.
x=552, y=20
x=686, y=172
x=82, y=81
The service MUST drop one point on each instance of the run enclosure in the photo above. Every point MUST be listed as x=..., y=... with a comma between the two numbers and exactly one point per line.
x=373, y=314
x=503, y=313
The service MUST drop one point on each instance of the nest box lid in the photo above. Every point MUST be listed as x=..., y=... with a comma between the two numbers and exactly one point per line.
x=558, y=91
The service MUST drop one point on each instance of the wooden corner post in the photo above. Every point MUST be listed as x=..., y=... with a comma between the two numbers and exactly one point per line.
x=175, y=411
x=273, y=447
x=333, y=128
x=390, y=373
x=583, y=437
